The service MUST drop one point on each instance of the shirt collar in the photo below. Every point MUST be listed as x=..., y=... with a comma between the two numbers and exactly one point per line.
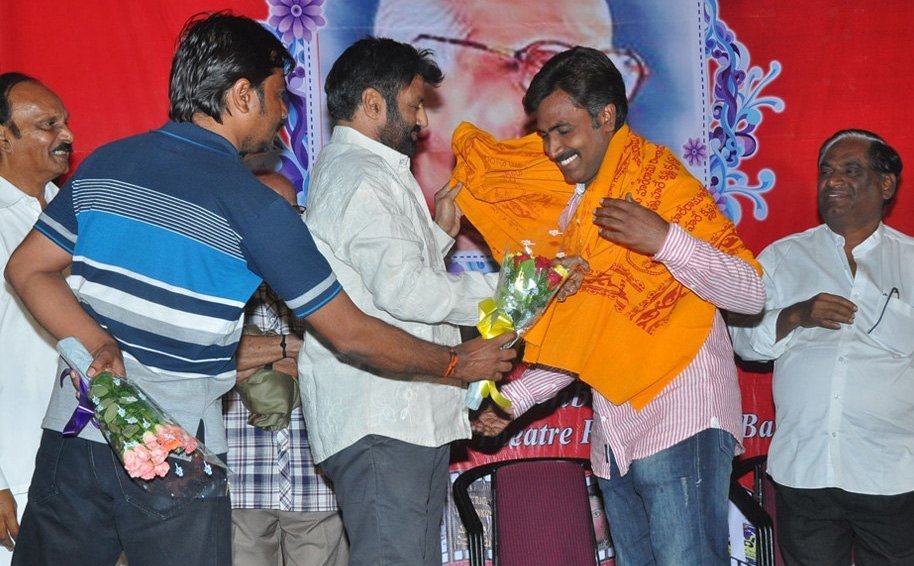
x=345, y=134
x=10, y=194
x=193, y=134
x=866, y=245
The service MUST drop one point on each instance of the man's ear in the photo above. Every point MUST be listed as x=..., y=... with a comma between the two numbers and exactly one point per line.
x=373, y=105
x=607, y=118
x=5, y=134
x=240, y=97
x=888, y=183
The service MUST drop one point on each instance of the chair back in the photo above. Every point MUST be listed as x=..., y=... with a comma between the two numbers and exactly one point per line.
x=542, y=514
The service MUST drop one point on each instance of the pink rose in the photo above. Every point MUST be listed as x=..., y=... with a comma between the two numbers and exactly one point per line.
x=169, y=436
x=158, y=454
x=161, y=469
x=189, y=443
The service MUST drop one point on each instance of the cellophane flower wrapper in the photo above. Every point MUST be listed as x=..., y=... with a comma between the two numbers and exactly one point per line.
x=157, y=453
x=526, y=284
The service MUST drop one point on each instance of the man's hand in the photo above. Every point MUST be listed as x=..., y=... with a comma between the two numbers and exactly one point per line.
x=823, y=310
x=484, y=359
x=447, y=213
x=107, y=357
x=577, y=267
x=628, y=224
x=491, y=421
x=9, y=526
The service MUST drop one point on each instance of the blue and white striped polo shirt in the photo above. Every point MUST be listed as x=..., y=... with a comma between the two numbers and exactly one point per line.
x=170, y=235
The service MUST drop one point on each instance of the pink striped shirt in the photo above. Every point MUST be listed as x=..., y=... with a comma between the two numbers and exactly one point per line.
x=705, y=395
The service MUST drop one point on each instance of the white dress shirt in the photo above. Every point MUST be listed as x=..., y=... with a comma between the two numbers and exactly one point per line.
x=370, y=220
x=844, y=398
x=28, y=360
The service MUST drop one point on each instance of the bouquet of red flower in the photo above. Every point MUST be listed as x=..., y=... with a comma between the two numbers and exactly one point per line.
x=526, y=284
x=157, y=453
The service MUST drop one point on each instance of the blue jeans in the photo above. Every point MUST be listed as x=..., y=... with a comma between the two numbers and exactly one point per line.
x=84, y=509
x=671, y=508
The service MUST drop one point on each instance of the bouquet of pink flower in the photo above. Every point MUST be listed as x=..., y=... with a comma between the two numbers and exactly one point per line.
x=156, y=451
x=526, y=284
x=142, y=435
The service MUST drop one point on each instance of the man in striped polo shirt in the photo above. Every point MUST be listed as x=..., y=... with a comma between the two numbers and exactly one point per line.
x=168, y=235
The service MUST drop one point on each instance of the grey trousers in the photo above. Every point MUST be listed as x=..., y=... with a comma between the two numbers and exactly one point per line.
x=267, y=537
x=392, y=497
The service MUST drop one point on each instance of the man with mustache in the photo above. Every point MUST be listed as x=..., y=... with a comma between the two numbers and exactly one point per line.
x=645, y=330
x=168, y=235
x=385, y=442
x=839, y=325
x=35, y=147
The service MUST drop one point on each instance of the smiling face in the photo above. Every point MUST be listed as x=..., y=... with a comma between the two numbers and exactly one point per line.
x=486, y=88
x=570, y=138
x=405, y=120
x=37, y=143
x=851, y=194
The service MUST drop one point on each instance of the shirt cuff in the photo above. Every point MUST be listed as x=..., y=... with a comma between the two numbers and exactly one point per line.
x=768, y=329
x=520, y=396
x=442, y=239
x=677, y=249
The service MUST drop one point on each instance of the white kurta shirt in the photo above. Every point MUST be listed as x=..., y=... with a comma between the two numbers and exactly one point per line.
x=28, y=360
x=844, y=398
x=371, y=221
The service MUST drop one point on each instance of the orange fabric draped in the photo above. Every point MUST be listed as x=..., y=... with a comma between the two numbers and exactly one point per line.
x=632, y=328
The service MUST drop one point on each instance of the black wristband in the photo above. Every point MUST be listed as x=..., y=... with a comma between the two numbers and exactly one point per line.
x=282, y=344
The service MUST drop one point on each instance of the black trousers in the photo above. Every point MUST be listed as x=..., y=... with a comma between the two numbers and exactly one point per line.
x=830, y=527
x=83, y=510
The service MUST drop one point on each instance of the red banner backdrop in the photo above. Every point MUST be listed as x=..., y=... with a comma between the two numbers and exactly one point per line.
x=843, y=64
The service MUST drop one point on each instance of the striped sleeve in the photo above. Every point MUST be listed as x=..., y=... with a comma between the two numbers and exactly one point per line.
x=58, y=221
x=279, y=247
x=723, y=280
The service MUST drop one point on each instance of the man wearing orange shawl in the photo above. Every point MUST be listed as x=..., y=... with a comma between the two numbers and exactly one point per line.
x=644, y=330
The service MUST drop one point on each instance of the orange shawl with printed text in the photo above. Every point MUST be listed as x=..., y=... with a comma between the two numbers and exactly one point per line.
x=632, y=328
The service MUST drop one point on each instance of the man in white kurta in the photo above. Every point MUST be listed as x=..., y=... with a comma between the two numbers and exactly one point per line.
x=839, y=324
x=35, y=146
x=383, y=439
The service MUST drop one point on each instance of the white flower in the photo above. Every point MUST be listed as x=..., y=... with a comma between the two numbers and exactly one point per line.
x=179, y=471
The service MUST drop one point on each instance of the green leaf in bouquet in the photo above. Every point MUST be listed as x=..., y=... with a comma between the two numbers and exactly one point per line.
x=110, y=414
x=131, y=430
x=98, y=390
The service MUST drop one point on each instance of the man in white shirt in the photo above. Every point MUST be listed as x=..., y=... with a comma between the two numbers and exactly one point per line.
x=384, y=439
x=35, y=147
x=839, y=324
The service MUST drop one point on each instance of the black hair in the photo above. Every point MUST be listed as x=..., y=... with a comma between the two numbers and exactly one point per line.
x=383, y=64
x=215, y=51
x=7, y=82
x=587, y=76
x=882, y=157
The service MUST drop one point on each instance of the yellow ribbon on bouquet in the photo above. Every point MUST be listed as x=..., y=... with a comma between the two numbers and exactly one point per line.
x=493, y=322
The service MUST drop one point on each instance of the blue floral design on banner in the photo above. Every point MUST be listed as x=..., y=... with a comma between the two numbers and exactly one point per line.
x=295, y=22
x=736, y=110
